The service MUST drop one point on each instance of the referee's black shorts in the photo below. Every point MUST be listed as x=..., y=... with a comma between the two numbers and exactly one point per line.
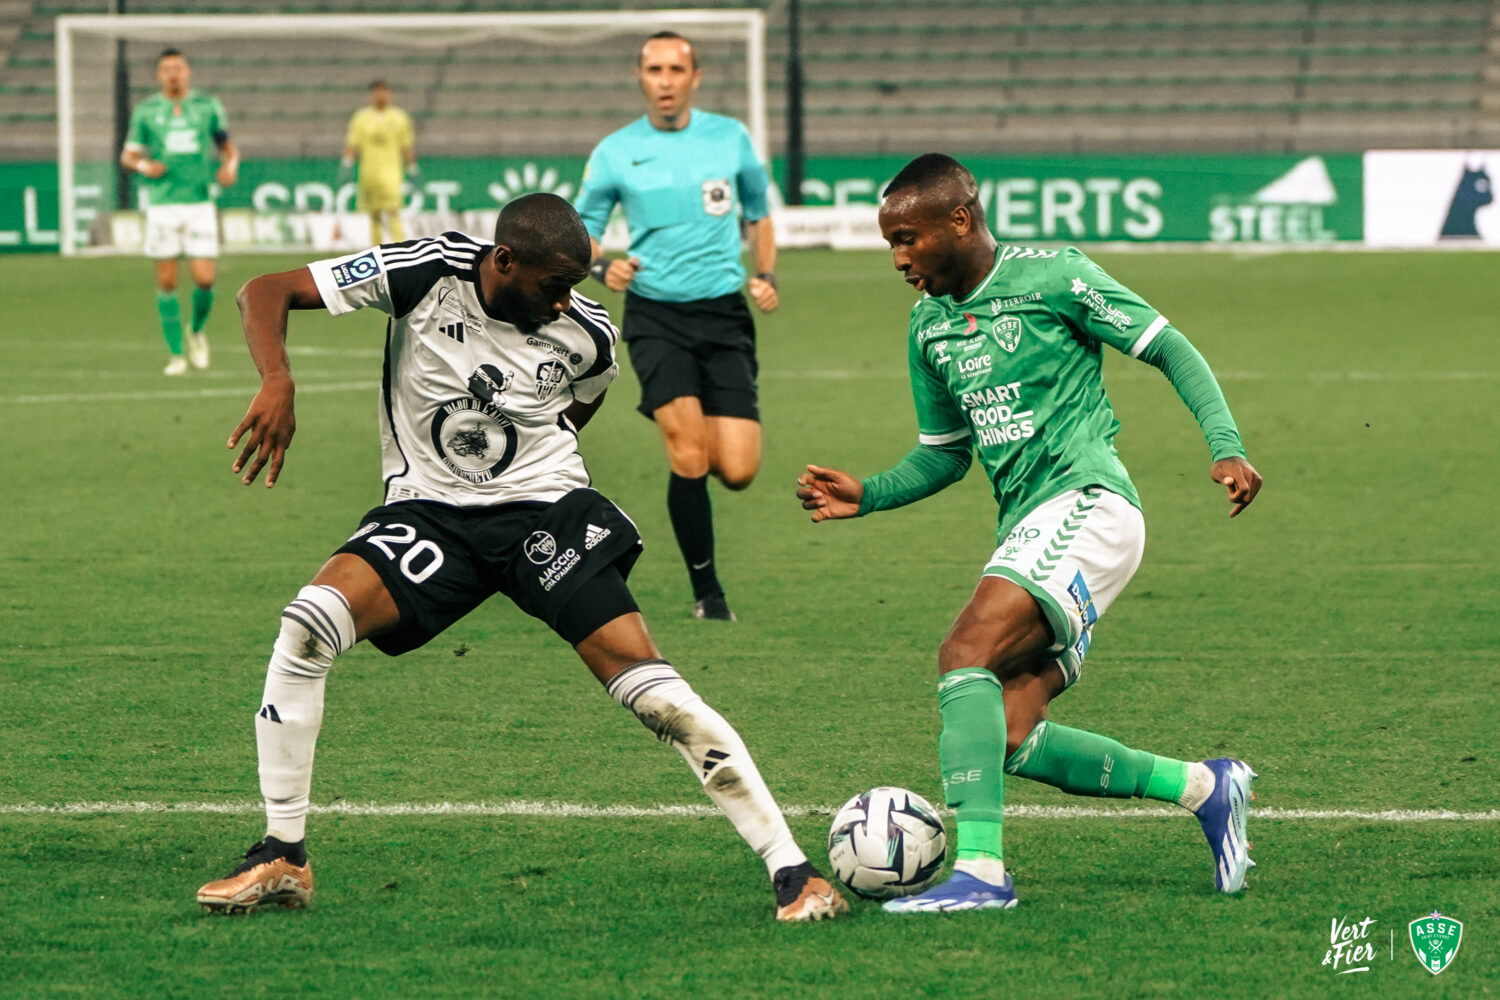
x=704, y=348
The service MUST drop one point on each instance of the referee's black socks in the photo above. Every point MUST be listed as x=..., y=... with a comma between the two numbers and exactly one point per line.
x=693, y=523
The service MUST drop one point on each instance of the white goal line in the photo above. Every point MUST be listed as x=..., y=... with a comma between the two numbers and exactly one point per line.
x=572, y=810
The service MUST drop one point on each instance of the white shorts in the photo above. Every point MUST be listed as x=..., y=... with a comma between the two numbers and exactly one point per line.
x=174, y=231
x=1074, y=554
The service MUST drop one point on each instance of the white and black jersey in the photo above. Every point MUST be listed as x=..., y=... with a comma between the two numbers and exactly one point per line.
x=471, y=409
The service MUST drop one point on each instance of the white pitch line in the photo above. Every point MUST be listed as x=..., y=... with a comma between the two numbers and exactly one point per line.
x=571, y=810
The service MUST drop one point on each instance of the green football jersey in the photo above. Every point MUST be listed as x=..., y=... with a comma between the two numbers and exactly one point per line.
x=1015, y=367
x=184, y=135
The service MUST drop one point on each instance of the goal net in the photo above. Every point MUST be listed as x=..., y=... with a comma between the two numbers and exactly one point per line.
x=503, y=104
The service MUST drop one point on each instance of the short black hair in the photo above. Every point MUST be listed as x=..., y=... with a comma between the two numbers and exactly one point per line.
x=540, y=227
x=693, y=49
x=379, y=83
x=940, y=175
x=169, y=53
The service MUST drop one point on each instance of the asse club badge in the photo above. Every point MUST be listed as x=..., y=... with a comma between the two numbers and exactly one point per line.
x=1435, y=938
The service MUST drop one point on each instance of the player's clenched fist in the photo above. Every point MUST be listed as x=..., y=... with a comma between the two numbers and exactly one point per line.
x=1240, y=478
x=829, y=493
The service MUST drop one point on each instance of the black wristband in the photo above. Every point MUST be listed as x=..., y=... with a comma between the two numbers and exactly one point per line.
x=598, y=268
x=768, y=278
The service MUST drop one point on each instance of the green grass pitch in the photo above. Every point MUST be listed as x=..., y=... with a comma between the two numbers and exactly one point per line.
x=1340, y=636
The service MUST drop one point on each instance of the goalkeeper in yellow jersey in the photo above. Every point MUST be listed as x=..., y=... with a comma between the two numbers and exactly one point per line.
x=381, y=141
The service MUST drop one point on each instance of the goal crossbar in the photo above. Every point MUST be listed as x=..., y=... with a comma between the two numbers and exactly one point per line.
x=434, y=30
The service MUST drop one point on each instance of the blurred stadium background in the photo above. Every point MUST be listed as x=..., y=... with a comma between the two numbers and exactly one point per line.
x=1060, y=105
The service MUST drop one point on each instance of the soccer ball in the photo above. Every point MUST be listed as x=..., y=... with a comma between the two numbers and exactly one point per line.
x=887, y=842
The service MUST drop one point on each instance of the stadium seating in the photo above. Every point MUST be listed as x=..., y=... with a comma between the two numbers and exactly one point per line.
x=1018, y=76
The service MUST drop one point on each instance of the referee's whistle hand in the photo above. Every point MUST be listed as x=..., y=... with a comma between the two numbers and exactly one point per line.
x=621, y=272
x=763, y=294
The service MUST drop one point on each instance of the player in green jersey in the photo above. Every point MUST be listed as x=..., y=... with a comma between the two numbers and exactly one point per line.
x=179, y=143
x=1006, y=352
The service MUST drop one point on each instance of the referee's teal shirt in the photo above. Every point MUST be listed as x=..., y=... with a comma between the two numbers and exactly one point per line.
x=683, y=193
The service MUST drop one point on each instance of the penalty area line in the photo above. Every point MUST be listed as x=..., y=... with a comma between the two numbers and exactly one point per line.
x=572, y=810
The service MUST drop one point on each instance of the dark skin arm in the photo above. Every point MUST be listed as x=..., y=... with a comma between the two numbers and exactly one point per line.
x=270, y=421
x=580, y=413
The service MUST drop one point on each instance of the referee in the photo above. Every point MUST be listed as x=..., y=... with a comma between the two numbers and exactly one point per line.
x=684, y=179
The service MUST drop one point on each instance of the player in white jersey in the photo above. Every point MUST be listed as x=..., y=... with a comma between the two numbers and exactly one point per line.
x=492, y=365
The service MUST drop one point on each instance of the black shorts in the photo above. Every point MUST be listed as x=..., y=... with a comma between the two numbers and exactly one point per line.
x=440, y=562
x=704, y=349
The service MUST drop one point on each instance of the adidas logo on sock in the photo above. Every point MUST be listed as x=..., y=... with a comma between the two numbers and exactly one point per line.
x=593, y=535
x=269, y=712
x=713, y=759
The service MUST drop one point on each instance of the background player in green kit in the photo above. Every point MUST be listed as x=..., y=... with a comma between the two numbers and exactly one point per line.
x=1006, y=352
x=175, y=140
x=685, y=178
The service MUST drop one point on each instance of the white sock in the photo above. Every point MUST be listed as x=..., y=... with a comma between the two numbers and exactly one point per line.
x=991, y=870
x=668, y=707
x=1200, y=785
x=315, y=628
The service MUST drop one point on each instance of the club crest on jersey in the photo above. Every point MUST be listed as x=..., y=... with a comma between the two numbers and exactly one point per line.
x=1007, y=331
x=489, y=384
x=474, y=439
x=549, y=375
x=356, y=271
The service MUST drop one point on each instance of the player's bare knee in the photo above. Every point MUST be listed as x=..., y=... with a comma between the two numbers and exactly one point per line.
x=687, y=459
x=315, y=628
x=736, y=479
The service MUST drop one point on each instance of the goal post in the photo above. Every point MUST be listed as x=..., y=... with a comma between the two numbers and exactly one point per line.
x=498, y=87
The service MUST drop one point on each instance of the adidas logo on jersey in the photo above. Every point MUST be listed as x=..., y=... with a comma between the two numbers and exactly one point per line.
x=593, y=535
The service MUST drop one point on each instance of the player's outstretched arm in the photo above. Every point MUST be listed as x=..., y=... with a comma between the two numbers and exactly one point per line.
x=830, y=494
x=270, y=421
x=1240, y=478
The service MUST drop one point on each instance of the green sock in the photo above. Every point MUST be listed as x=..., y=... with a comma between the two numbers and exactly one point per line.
x=171, y=319
x=970, y=750
x=203, y=301
x=1083, y=763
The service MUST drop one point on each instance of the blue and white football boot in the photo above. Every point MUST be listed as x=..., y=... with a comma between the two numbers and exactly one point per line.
x=1223, y=820
x=961, y=891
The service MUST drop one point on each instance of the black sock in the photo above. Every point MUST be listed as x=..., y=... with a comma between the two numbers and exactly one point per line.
x=693, y=523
